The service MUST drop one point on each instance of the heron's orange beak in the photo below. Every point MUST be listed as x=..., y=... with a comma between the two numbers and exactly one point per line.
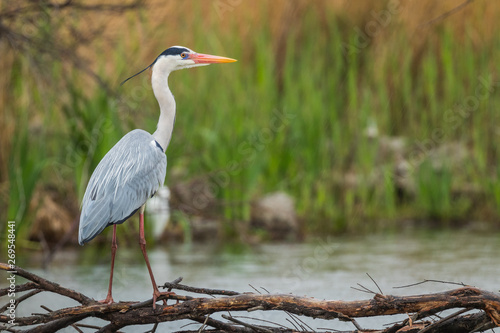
x=201, y=58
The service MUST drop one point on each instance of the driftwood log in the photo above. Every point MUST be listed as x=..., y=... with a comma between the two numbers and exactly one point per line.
x=421, y=310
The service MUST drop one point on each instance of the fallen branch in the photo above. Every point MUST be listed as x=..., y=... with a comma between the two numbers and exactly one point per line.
x=199, y=309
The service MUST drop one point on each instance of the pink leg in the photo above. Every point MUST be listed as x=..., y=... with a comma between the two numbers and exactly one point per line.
x=142, y=242
x=114, y=246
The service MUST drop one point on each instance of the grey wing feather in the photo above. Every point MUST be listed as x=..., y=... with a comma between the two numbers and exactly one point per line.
x=129, y=174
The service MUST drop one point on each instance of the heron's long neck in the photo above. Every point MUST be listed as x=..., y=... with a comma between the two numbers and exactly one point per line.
x=166, y=101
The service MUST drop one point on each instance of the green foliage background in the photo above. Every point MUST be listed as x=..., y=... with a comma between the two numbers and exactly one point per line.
x=319, y=96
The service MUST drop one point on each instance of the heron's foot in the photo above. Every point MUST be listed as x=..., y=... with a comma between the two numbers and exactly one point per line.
x=157, y=293
x=109, y=300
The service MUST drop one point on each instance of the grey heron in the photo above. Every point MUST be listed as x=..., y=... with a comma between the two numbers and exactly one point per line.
x=133, y=170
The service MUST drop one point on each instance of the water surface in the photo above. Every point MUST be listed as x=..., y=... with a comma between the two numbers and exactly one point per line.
x=325, y=269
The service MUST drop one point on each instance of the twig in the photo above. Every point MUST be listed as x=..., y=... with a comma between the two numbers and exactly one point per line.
x=175, y=282
x=375, y=283
x=242, y=323
x=46, y=308
x=262, y=320
x=112, y=327
x=303, y=325
x=221, y=326
x=256, y=290
x=365, y=289
x=296, y=321
x=162, y=297
x=355, y=323
x=48, y=285
x=267, y=291
x=77, y=328
x=331, y=329
x=20, y=299
x=72, y=325
x=257, y=308
x=204, y=324
x=153, y=330
x=291, y=322
x=8, y=328
x=19, y=288
x=445, y=15
x=199, y=290
x=440, y=322
x=426, y=281
x=88, y=326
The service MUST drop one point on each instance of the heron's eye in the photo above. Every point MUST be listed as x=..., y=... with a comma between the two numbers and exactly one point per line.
x=184, y=55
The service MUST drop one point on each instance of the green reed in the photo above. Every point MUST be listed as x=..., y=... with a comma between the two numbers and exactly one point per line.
x=297, y=120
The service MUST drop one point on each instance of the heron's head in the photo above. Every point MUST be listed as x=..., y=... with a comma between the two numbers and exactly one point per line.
x=179, y=57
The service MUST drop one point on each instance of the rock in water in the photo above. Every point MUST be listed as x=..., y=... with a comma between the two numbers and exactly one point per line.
x=275, y=214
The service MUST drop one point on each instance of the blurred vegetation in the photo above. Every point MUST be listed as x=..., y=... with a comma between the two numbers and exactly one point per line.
x=363, y=113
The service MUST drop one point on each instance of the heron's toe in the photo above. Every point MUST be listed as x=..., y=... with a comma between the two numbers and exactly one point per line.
x=109, y=300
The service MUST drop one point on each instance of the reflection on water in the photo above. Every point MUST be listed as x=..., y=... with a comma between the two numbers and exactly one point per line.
x=325, y=269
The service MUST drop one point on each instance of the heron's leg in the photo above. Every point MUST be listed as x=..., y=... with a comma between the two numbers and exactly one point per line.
x=114, y=246
x=142, y=242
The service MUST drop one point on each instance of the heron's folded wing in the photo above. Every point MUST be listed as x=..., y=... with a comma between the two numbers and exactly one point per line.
x=129, y=174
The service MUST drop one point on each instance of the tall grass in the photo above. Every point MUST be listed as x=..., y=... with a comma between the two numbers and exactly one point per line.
x=293, y=115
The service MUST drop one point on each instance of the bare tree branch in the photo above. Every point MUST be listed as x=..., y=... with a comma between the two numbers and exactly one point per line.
x=38, y=27
x=199, y=310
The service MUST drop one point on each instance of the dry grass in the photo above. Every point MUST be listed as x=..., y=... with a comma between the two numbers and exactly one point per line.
x=160, y=24
x=165, y=23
